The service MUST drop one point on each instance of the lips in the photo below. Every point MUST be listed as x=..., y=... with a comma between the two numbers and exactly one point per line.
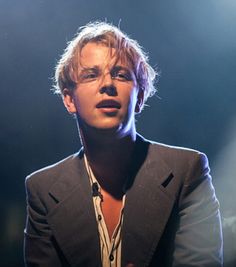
x=109, y=103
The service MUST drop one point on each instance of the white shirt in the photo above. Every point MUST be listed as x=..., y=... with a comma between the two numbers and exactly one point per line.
x=110, y=248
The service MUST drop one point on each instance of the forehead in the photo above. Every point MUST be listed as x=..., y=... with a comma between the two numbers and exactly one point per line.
x=97, y=54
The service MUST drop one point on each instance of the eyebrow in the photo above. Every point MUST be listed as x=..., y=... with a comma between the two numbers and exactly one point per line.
x=94, y=68
x=97, y=68
x=118, y=67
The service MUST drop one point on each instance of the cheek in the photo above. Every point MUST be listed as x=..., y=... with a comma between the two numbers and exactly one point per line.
x=129, y=91
x=82, y=98
x=81, y=104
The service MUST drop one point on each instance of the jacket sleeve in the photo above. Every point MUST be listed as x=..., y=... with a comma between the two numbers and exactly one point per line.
x=198, y=240
x=39, y=246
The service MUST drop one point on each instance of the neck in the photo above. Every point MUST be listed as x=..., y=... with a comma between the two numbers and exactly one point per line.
x=109, y=157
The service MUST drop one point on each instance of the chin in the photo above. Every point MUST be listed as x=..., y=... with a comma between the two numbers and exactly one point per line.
x=110, y=124
x=108, y=128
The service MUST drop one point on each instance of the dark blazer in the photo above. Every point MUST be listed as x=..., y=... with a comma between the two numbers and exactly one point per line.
x=171, y=214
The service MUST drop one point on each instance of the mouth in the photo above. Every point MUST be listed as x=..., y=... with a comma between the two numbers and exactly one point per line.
x=108, y=104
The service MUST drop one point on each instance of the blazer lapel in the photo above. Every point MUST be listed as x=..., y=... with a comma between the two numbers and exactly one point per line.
x=149, y=202
x=73, y=220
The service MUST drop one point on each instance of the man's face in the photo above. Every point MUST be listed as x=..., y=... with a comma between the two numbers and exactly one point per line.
x=106, y=96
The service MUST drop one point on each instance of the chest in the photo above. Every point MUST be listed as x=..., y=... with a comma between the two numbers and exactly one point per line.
x=111, y=209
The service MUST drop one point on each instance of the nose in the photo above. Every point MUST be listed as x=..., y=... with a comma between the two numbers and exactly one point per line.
x=109, y=90
x=108, y=86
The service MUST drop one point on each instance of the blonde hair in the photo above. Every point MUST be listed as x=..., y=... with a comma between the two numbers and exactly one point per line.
x=125, y=49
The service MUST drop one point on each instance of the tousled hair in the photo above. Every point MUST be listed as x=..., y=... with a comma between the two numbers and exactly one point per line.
x=127, y=49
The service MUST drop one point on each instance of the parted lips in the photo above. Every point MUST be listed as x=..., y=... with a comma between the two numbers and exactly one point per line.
x=108, y=103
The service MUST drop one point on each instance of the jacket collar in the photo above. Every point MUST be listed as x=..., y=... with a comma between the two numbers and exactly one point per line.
x=149, y=202
x=73, y=220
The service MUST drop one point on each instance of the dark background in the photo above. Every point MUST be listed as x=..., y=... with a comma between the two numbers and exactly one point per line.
x=193, y=44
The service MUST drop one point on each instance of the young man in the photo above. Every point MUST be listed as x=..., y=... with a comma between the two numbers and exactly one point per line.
x=122, y=200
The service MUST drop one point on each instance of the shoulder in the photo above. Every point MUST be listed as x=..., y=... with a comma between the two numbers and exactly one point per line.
x=50, y=174
x=170, y=152
x=182, y=160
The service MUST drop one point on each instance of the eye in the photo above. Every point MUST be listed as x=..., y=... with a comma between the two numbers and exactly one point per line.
x=88, y=75
x=122, y=75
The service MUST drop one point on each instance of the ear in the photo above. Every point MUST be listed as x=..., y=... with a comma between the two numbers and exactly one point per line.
x=139, y=103
x=68, y=100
